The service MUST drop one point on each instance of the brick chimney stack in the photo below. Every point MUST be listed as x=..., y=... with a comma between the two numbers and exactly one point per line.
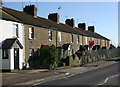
x=82, y=26
x=91, y=28
x=31, y=9
x=54, y=17
x=70, y=22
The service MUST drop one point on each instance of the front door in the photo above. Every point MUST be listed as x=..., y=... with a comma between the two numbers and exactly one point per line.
x=16, y=58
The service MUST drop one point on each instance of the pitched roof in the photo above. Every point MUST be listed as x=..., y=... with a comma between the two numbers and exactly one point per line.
x=6, y=16
x=8, y=43
x=46, y=23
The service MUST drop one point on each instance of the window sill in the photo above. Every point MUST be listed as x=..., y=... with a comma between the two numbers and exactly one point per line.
x=31, y=38
x=50, y=40
x=15, y=37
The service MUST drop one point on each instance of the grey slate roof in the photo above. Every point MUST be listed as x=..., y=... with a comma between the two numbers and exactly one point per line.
x=46, y=23
x=7, y=44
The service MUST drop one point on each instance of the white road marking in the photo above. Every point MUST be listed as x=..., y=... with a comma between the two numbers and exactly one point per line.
x=55, y=79
x=108, y=78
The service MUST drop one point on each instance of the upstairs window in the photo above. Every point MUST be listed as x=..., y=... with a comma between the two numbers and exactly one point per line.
x=105, y=42
x=96, y=41
x=90, y=38
x=71, y=38
x=31, y=32
x=78, y=39
x=100, y=42
x=15, y=30
x=50, y=35
x=81, y=40
x=59, y=36
x=86, y=40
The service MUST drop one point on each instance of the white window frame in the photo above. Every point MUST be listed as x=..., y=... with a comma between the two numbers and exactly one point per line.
x=59, y=36
x=86, y=40
x=31, y=32
x=15, y=30
x=90, y=38
x=71, y=38
x=105, y=42
x=31, y=52
x=100, y=42
x=78, y=39
x=50, y=35
x=96, y=41
x=81, y=40
x=5, y=53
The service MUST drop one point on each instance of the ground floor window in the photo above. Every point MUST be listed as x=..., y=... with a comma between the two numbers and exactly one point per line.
x=39, y=52
x=31, y=52
x=62, y=52
x=5, y=53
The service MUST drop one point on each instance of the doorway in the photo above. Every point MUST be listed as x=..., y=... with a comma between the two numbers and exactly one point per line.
x=16, y=58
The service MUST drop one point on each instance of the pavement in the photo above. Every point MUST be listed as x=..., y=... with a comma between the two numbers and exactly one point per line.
x=31, y=77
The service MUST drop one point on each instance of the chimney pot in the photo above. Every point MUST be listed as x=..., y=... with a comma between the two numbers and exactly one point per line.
x=91, y=28
x=31, y=9
x=54, y=17
x=70, y=22
x=82, y=26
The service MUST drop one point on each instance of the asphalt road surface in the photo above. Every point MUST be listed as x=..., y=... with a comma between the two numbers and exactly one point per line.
x=103, y=76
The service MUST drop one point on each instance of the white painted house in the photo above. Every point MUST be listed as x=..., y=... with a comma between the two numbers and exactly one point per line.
x=12, y=43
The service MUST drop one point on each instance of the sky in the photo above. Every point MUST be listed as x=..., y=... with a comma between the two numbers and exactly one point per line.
x=103, y=15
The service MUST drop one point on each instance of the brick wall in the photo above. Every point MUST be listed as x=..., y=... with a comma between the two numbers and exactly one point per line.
x=41, y=37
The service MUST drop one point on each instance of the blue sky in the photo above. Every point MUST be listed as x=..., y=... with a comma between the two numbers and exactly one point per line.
x=103, y=15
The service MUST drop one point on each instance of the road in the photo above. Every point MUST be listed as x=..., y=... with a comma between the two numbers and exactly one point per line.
x=103, y=76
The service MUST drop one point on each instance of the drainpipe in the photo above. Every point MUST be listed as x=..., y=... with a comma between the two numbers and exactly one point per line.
x=56, y=38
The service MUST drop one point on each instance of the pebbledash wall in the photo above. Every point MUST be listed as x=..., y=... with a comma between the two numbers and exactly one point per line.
x=6, y=31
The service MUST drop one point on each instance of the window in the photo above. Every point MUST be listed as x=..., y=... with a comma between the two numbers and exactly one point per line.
x=105, y=43
x=86, y=40
x=100, y=42
x=39, y=52
x=31, y=32
x=81, y=40
x=5, y=53
x=50, y=35
x=78, y=39
x=71, y=37
x=15, y=30
x=31, y=52
x=62, y=52
x=90, y=38
x=59, y=36
x=69, y=50
x=96, y=41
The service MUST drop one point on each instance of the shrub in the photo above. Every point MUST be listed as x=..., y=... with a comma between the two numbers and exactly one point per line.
x=79, y=54
x=49, y=57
